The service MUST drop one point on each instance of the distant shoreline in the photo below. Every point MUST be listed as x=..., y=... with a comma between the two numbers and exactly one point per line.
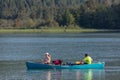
x=2, y=31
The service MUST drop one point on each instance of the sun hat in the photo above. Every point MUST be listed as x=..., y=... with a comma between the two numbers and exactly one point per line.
x=47, y=53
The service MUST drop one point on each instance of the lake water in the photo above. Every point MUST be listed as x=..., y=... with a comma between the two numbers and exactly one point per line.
x=16, y=49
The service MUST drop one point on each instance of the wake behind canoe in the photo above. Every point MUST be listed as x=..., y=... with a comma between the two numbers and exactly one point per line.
x=33, y=65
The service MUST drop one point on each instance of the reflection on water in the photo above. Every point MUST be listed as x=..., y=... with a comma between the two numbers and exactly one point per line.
x=77, y=75
x=48, y=75
x=87, y=74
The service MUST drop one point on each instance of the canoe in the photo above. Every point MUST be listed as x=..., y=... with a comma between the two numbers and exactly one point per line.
x=34, y=65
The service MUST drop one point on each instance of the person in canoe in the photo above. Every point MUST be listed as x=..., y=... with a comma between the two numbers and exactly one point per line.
x=87, y=59
x=47, y=59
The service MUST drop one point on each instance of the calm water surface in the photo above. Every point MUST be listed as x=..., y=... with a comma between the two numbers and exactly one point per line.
x=16, y=49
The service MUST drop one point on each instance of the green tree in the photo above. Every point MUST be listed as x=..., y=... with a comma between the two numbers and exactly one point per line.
x=67, y=18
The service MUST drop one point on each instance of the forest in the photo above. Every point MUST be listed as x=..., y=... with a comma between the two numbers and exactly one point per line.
x=37, y=14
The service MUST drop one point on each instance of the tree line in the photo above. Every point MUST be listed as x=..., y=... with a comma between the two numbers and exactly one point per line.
x=35, y=14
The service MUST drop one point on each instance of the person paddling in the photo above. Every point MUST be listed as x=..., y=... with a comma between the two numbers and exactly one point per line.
x=47, y=59
x=87, y=59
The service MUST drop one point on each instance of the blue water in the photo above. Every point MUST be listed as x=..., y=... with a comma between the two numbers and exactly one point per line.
x=16, y=49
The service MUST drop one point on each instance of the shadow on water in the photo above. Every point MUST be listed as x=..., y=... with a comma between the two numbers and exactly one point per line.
x=84, y=74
